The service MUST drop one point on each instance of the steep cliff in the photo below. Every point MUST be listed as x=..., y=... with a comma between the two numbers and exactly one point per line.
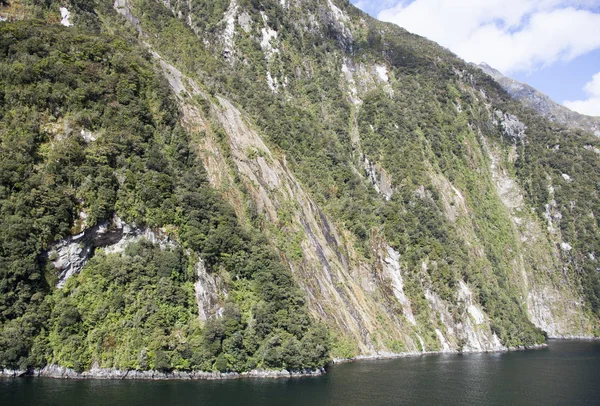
x=324, y=185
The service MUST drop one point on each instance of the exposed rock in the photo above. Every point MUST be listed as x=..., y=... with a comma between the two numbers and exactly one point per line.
x=338, y=19
x=352, y=90
x=227, y=36
x=566, y=177
x=70, y=255
x=565, y=246
x=209, y=290
x=379, y=179
x=553, y=304
x=245, y=21
x=87, y=136
x=421, y=343
x=361, y=78
x=363, y=300
x=544, y=315
x=506, y=186
x=272, y=82
x=269, y=37
x=65, y=16
x=394, y=272
x=452, y=198
x=333, y=287
x=382, y=73
x=56, y=371
x=511, y=126
x=444, y=343
x=358, y=293
x=391, y=355
x=123, y=7
x=12, y=373
x=479, y=336
x=471, y=327
x=551, y=212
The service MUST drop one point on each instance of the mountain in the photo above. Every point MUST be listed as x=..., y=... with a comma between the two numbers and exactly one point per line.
x=238, y=185
x=541, y=103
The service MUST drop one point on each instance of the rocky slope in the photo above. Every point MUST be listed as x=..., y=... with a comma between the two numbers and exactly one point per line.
x=413, y=206
x=541, y=103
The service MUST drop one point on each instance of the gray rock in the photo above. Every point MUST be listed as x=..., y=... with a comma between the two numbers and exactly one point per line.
x=12, y=373
x=209, y=288
x=71, y=254
x=58, y=372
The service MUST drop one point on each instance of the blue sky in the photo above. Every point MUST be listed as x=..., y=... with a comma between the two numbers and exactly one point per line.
x=553, y=45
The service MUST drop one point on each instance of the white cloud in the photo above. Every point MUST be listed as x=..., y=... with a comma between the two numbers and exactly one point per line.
x=593, y=87
x=510, y=35
x=590, y=106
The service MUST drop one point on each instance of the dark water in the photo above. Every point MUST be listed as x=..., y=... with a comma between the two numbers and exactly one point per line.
x=566, y=373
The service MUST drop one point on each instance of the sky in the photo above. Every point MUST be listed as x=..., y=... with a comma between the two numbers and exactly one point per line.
x=552, y=45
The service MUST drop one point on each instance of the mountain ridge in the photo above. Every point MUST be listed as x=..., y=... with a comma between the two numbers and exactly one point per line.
x=541, y=103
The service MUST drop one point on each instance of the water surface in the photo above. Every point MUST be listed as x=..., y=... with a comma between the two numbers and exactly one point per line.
x=566, y=373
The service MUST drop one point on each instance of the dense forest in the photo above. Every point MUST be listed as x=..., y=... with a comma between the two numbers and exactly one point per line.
x=136, y=309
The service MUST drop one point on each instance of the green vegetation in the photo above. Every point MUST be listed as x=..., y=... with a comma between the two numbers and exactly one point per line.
x=89, y=128
x=134, y=310
x=137, y=310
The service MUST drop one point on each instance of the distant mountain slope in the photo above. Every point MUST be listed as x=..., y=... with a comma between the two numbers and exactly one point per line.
x=543, y=104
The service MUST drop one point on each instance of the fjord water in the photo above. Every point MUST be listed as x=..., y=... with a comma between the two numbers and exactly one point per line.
x=565, y=373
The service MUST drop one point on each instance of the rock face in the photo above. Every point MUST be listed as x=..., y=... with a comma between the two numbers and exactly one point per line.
x=379, y=178
x=363, y=301
x=541, y=103
x=209, y=289
x=70, y=255
x=511, y=126
x=341, y=288
x=325, y=272
x=65, y=15
x=394, y=272
x=474, y=328
x=123, y=7
x=553, y=303
x=470, y=331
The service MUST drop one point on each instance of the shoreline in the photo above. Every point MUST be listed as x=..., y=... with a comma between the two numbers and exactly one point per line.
x=574, y=338
x=58, y=372
x=392, y=355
